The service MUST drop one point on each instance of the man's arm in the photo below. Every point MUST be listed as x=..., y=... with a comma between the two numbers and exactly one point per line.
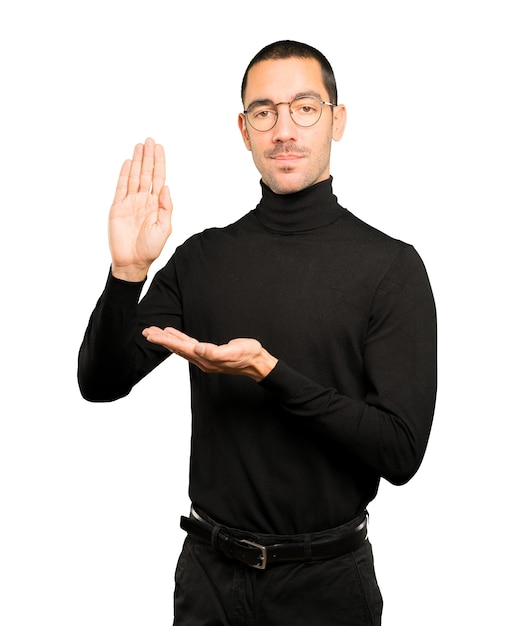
x=110, y=360
x=387, y=429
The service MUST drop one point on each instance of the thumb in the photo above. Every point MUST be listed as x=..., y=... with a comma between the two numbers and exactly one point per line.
x=165, y=203
x=200, y=349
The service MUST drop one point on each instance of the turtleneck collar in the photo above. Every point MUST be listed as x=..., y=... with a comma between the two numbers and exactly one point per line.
x=304, y=210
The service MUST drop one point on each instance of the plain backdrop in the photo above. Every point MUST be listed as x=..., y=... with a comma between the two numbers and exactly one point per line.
x=91, y=495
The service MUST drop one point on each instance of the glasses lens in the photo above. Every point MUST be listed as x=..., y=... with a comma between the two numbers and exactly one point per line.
x=262, y=116
x=305, y=111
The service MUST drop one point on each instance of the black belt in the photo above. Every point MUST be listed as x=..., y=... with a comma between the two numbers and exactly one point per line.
x=256, y=555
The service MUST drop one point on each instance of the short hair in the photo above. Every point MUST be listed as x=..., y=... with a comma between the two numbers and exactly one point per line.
x=287, y=49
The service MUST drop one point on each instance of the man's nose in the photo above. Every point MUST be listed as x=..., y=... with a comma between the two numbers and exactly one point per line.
x=284, y=129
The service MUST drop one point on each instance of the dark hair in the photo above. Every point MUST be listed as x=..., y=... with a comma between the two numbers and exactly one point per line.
x=287, y=49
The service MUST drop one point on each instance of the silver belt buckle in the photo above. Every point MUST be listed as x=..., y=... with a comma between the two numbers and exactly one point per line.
x=263, y=554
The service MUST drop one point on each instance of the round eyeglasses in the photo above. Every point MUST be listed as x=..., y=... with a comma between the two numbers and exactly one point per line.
x=305, y=111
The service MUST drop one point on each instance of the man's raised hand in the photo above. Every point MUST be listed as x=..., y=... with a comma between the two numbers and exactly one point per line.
x=140, y=216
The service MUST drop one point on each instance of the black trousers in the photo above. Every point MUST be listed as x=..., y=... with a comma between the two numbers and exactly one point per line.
x=213, y=590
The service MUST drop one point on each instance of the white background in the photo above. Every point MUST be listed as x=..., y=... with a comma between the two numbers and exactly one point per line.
x=91, y=495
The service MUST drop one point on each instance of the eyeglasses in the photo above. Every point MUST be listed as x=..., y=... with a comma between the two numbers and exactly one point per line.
x=305, y=111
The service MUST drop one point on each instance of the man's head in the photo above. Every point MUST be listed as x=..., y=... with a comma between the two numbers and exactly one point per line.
x=292, y=150
x=289, y=49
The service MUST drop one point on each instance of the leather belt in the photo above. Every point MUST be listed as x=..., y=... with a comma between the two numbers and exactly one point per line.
x=259, y=556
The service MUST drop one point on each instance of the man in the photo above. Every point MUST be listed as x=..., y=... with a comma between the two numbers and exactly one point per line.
x=311, y=339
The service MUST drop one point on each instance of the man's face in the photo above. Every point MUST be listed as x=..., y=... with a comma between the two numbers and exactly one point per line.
x=290, y=157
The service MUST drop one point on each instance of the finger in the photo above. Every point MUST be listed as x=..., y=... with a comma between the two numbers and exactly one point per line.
x=165, y=205
x=170, y=338
x=161, y=338
x=178, y=334
x=159, y=169
x=214, y=353
x=121, y=190
x=146, y=173
x=136, y=166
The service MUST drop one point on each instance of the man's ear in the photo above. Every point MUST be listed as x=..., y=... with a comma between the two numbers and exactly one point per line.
x=244, y=131
x=339, y=121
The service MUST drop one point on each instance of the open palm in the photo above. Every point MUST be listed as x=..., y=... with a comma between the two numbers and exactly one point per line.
x=140, y=216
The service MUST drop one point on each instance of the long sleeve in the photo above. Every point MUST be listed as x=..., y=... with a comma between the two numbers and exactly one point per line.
x=389, y=429
x=114, y=356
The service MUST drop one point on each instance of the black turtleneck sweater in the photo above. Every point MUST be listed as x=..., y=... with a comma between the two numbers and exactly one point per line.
x=349, y=313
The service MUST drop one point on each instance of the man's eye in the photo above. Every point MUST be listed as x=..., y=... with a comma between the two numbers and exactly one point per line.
x=263, y=114
x=305, y=108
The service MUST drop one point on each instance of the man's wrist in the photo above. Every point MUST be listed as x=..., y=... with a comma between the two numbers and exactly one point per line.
x=130, y=273
x=263, y=364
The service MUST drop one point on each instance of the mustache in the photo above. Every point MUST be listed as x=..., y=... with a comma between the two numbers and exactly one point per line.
x=286, y=148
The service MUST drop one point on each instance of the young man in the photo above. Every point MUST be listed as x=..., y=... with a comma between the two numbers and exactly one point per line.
x=311, y=339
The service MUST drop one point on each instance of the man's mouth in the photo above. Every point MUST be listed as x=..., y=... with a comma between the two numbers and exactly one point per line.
x=286, y=157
